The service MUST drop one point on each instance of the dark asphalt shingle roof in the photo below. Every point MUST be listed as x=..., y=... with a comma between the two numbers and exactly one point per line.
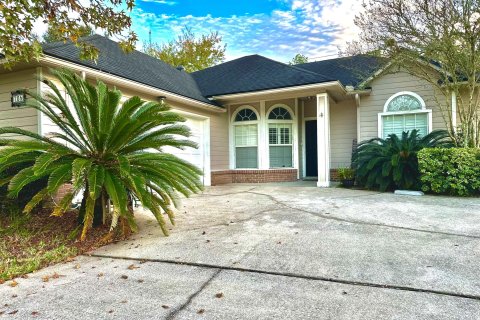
x=253, y=73
x=246, y=74
x=350, y=71
x=135, y=66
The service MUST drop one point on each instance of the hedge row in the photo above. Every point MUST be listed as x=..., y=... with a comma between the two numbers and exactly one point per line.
x=453, y=171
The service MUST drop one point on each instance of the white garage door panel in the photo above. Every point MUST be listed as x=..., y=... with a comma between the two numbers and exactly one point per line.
x=194, y=156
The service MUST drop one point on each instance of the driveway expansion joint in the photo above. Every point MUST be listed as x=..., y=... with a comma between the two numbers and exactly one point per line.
x=220, y=268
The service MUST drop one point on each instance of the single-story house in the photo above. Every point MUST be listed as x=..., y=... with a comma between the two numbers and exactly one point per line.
x=255, y=119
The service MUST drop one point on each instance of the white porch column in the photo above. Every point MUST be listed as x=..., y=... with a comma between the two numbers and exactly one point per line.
x=263, y=161
x=323, y=140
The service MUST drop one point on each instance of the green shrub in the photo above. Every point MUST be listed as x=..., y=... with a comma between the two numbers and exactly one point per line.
x=454, y=171
x=13, y=206
x=346, y=173
x=391, y=163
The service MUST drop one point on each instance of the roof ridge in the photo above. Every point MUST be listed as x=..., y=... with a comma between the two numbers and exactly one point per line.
x=295, y=67
x=223, y=63
x=61, y=43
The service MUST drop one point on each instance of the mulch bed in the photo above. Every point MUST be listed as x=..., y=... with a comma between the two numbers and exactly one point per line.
x=47, y=233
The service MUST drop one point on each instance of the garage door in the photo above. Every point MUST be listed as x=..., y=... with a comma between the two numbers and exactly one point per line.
x=198, y=157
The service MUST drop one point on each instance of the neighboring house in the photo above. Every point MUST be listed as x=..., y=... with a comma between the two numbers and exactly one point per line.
x=255, y=119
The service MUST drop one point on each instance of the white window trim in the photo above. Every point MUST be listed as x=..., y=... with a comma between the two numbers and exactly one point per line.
x=389, y=113
x=233, y=124
x=293, y=122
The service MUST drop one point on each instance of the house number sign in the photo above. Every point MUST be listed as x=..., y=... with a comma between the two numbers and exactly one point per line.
x=19, y=98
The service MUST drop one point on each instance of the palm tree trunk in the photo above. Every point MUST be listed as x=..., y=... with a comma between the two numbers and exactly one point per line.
x=97, y=211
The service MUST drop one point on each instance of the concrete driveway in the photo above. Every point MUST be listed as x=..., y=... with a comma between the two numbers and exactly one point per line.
x=276, y=252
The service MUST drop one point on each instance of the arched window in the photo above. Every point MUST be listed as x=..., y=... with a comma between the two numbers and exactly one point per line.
x=280, y=137
x=404, y=112
x=245, y=132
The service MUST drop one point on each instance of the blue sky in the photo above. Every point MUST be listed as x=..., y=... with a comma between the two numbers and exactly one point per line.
x=275, y=28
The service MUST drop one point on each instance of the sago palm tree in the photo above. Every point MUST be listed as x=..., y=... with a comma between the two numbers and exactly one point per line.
x=107, y=150
x=392, y=162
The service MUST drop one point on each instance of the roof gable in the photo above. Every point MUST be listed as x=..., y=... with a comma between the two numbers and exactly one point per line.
x=350, y=71
x=253, y=73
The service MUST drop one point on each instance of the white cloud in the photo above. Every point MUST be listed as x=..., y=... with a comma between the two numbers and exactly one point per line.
x=314, y=28
x=166, y=2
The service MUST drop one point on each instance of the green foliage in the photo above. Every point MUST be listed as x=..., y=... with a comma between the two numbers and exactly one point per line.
x=391, y=163
x=14, y=206
x=190, y=52
x=436, y=41
x=105, y=152
x=55, y=35
x=346, y=173
x=298, y=59
x=454, y=171
x=17, y=30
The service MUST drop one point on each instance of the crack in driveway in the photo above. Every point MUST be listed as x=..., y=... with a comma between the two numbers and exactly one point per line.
x=175, y=311
x=359, y=222
x=289, y=275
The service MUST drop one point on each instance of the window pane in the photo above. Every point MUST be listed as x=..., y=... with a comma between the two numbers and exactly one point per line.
x=397, y=124
x=246, y=135
x=246, y=115
x=279, y=113
x=279, y=133
x=272, y=135
x=281, y=157
x=246, y=157
x=404, y=102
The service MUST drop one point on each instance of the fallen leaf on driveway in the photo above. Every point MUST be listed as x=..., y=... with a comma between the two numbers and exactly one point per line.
x=34, y=313
x=201, y=311
x=124, y=277
x=77, y=266
x=140, y=280
x=132, y=266
x=13, y=284
x=165, y=306
x=45, y=279
x=13, y=312
x=219, y=295
x=100, y=274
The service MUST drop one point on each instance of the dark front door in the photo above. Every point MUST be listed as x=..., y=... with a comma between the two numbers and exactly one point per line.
x=311, y=148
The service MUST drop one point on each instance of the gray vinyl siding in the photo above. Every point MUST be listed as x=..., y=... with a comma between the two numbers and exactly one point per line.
x=343, y=130
x=21, y=117
x=383, y=88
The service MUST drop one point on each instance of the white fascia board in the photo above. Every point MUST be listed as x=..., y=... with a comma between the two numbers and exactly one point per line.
x=130, y=83
x=280, y=90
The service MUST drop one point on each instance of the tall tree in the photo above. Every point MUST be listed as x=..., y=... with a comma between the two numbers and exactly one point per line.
x=435, y=40
x=191, y=52
x=18, y=41
x=54, y=35
x=298, y=59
